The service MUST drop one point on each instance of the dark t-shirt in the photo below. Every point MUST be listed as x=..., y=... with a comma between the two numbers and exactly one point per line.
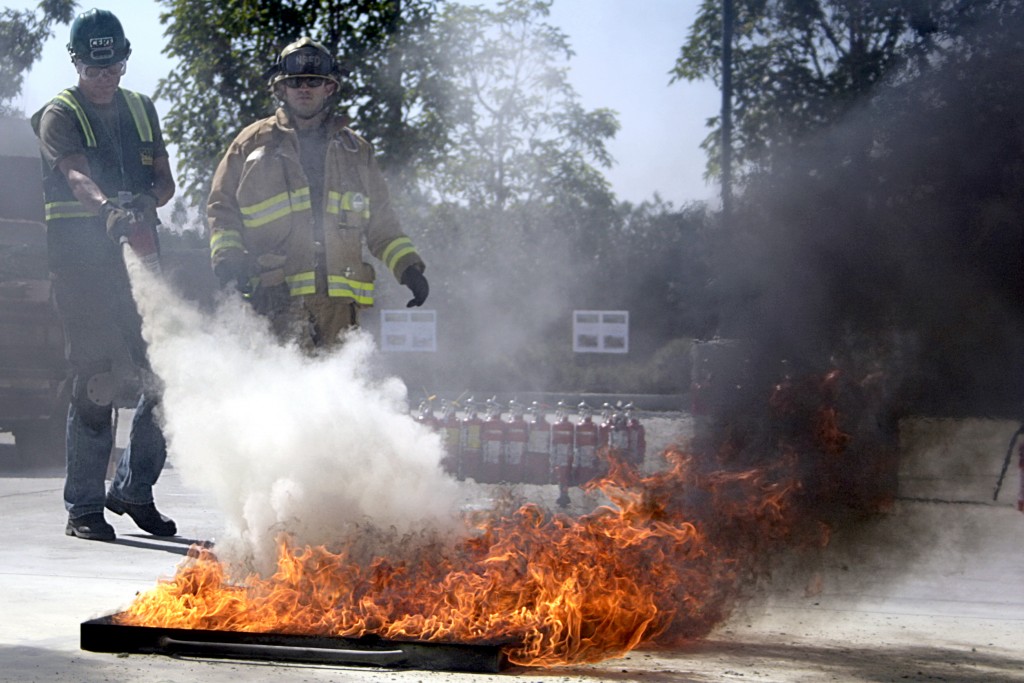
x=313, y=155
x=60, y=137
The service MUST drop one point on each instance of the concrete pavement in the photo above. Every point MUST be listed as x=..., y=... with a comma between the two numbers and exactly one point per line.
x=930, y=591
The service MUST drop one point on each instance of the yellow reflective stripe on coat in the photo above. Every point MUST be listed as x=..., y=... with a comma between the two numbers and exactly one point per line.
x=356, y=202
x=301, y=283
x=278, y=206
x=56, y=210
x=225, y=239
x=68, y=98
x=360, y=292
x=396, y=250
x=138, y=110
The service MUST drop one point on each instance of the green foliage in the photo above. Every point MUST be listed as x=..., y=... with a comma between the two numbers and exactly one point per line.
x=224, y=49
x=508, y=219
x=518, y=135
x=798, y=65
x=896, y=233
x=22, y=35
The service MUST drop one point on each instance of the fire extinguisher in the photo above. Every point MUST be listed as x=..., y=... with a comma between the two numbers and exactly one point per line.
x=492, y=444
x=143, y=241
x=637, y=437
x=516, y=435
x=561, y=453
x=450, y=439
x=537, y=458
x=425, y=413
x=470, y=454
x=604, y=426
x=618, y=433
x=587, y=463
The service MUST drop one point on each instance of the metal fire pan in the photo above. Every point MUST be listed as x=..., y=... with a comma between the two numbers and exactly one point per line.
x=105, y=635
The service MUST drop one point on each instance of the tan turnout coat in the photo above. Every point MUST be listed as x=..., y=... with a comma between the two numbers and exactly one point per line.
x=260, y=210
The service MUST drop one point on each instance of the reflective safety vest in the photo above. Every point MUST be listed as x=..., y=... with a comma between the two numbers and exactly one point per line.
x=120, y=160
x=261, y=209
x=122, y=164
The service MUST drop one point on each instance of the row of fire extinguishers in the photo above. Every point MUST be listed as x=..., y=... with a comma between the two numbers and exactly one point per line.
x=525, y=447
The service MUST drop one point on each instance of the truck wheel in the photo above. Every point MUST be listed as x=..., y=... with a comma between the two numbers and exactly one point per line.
x=41, y=442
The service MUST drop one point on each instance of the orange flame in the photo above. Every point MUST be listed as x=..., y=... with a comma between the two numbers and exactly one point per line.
x=663, y=560
x=830, y=438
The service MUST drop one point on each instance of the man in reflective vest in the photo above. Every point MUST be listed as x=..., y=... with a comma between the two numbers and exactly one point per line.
x=105, y=170
x=293, y=201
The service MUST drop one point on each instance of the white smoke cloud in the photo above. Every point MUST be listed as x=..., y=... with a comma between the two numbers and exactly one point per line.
x=283, y=442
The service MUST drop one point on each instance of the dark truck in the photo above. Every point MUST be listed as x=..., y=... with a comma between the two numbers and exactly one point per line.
x=33, y=392
x=34, y=386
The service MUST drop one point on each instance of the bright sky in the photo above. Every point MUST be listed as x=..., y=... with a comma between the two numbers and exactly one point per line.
x=624, y=51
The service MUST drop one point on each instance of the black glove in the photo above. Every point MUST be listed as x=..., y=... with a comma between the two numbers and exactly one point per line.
x=144, y=207
x=414, y=280
x=267, y=300
x=232, y=272
x=120, y=222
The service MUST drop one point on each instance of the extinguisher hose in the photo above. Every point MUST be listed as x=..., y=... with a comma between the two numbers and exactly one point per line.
x=1006, y=460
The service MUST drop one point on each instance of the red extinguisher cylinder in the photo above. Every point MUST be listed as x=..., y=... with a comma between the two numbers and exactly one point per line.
x=142, y=240
x=451, y=432
x=492, y=447
x=562, y=433
x=587, y=464
x=637, y=438
x=537, y=458
x=470, y=444
x=618, y=437
x=516, y=435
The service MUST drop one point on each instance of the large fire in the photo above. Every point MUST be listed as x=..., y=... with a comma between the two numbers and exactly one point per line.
x=662, y=561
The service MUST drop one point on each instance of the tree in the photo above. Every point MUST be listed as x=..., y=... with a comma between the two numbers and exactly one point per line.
x=798, y=65
x=224, y=49
x=22, y=35
x=519, y=135
x=896, y=236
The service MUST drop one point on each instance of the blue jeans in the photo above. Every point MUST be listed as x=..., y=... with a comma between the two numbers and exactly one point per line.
x=103, y=331
x=89, y=446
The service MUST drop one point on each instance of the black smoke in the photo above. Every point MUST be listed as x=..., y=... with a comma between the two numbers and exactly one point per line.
x=893, y=242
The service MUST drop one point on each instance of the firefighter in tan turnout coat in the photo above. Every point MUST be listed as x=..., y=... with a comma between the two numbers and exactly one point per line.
x=294, y=199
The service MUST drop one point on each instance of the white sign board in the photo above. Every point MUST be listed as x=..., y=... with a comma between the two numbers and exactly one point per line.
x=408, y=330
x=600, y=331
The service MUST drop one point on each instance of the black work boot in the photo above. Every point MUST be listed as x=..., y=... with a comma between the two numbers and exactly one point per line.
x=90, y=527
x=145, y=515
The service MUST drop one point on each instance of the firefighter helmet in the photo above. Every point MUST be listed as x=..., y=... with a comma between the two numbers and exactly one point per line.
x=305, y=57
x=97, y=39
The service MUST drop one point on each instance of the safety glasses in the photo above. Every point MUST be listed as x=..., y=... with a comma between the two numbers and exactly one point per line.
x=91, y=72
x=304, y=81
